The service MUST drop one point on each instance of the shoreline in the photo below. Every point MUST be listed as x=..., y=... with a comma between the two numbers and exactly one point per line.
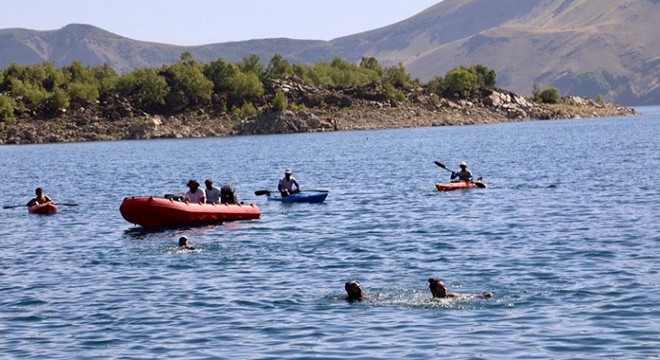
x=419, y=110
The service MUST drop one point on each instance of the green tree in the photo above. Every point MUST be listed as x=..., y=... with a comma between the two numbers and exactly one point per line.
x=550, y=95
x=146, y=85
x=187, y=58
x=246, y=110
x=220, y=72
x=31, y=95
x=252, y=64
x=54, y=77
x=7, y=105
x=82, y=93
x=12, y=72
x=435, y=85
x=397, y=76
x=371, y=63
x=188, y=78
x=280, y=102
x=486, y=77
x=461, y=81
x=278, y=68
x=76, y=72
x=105, y=77
x=536, y=92
x=245, y=87
x=59, y=99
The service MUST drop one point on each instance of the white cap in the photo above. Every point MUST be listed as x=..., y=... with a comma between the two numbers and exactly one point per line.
x=287, y=172
x=463, y=163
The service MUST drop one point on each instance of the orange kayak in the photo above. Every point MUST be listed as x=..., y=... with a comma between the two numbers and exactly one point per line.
x=149, y=211
x=45, y=208
x=460, y=184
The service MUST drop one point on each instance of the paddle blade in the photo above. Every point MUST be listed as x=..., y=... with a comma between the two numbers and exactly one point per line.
x=439, y=164
x=11, y=206
x=316, y=190
x=262, y=192
x=68, y=204
x=480, y=185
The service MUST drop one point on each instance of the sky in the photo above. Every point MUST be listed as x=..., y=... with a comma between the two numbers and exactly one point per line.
x=198, y=22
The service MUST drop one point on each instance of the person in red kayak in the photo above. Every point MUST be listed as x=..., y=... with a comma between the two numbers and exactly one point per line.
x=286, y=184
x=439, y=290
x=41, y=198
x=195, y=194
x=464, y=174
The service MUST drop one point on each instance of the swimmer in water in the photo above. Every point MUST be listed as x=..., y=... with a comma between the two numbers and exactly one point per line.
x=439, y=290
x=354, y=291
x=183, y=242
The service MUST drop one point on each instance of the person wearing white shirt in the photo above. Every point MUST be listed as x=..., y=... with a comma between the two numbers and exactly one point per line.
x=212, y=192
x=195, y=194
x=286, y=184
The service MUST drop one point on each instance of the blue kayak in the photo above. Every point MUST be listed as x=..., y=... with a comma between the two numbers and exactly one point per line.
x=301, y=197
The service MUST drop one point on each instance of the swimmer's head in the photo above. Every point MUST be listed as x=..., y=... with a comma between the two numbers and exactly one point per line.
x=354, y=290
x=183, y=241
x=438, y=288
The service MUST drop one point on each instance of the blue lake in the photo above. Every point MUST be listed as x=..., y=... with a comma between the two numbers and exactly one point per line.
x=567, y=237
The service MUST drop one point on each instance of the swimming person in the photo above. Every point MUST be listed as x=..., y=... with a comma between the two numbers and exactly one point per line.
x=439, y=290
x=183, y=242
x=354, y=291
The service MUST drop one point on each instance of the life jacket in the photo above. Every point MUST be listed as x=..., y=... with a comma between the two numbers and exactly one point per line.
x=228, y=194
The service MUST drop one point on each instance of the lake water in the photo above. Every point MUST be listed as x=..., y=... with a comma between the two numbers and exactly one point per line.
x=567, y=237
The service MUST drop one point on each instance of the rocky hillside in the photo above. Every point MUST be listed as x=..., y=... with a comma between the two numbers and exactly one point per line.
x=317, y=109
x=583, y=47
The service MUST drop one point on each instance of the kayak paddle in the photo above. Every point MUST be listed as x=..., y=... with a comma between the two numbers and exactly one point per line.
x=15, y=206
x=12, y=206
x=477, y=183
x=268, y=192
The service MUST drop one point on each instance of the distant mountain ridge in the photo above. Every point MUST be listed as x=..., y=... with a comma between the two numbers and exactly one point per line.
x=584, y=47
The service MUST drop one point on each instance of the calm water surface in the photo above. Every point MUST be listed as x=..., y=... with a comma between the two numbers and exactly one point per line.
x=567, y=236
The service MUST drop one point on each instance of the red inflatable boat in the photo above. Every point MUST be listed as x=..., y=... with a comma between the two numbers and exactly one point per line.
x=149, y=211
x=45, y=208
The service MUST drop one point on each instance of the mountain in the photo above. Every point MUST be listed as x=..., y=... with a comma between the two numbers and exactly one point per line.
x=94, y=46
x=583, y=47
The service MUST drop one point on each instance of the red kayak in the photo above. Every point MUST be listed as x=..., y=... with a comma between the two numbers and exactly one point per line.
x=149, y=211
x=459, y=184
x=45, y=208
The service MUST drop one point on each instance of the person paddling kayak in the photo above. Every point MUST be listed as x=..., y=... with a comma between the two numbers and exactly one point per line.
x=41, y=198
x=286, y=184
x=464, y=174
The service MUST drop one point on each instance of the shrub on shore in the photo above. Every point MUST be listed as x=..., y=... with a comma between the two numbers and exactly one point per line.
x=45, y=89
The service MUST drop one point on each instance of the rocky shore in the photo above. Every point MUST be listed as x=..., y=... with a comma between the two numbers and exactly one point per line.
x=311, y=109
